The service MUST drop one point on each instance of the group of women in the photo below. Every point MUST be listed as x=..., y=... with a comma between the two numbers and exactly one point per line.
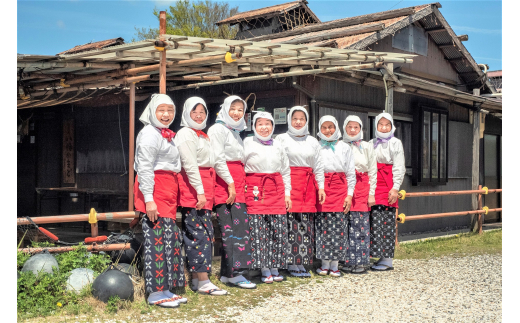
x=279, y=202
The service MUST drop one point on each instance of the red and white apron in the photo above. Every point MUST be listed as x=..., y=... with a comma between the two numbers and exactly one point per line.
x=385, y=182
x=236, y=169
x=165, y=192
x=188, y=195
x=336, y=190
x=270, y=194
x=360, y=198
x=303, y=190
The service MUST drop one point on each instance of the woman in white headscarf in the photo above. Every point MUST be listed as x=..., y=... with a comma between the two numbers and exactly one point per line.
x=340, y=180
x=358, y=254
x=307, y=183
x=390, y=174
x=230, y=201
x=268, y=197
x=157, y=163
x=196, y=194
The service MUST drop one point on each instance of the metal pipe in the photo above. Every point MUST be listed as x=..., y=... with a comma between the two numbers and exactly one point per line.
x=440, y=215
x=94, y=247
x=277, y=75
x=78, y=217
x=479, y=202
x=50, y=65
x=420, y=194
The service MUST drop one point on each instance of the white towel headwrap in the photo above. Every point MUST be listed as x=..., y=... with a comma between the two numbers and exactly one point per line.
x=186, y=120
x=336, y=135
x=223, y=114
x=266, y=115
x=148, y=115
x=298, y=132
x=357, y=137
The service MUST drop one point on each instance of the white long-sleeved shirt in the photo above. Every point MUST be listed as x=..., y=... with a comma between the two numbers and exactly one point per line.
x=153, y=152
x=304, y=152
x=195, y=152
x=260, y=158
x=227, y=146
x=392, y=152
x=341, y=160
x=365, y=160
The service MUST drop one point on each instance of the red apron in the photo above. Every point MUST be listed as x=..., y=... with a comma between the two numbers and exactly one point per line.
x=361, y=190
x=165, y=192
x=336, y=190
x=236, y=169
x=303, y=190
x=188, y=195
x=270, y=194
x=385, y=182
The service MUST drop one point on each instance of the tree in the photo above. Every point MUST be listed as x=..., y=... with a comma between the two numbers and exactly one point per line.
x=193, y=18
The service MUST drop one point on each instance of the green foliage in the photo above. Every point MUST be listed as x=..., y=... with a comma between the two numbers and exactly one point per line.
x=113, y=304
x=81, y=258
x=42, y=244
x=194, y=18
x=21, y=258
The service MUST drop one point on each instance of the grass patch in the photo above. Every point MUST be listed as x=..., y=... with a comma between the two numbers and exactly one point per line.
x=463, y=244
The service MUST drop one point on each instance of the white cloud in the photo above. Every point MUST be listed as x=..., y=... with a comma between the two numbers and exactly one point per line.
x=478, y=30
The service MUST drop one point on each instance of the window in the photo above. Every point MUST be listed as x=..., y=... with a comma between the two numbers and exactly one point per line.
x=432, y=150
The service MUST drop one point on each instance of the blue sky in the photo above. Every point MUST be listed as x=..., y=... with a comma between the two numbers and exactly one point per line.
x=49, y=27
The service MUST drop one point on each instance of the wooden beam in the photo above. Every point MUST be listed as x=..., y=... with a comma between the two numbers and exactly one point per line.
x=336, y=34
x=463, y=37
x=435, y=30
x=427, y=76
x=345, y=22
x=131, y=146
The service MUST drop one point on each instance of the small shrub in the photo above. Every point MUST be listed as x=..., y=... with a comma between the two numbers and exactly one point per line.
x=21, y=258
x=113, y=304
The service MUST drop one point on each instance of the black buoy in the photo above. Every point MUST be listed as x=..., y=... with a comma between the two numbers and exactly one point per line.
x=127, y=256
x=113, y=283
x=127, y=268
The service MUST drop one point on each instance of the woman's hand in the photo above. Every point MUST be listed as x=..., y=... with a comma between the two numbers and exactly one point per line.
x=232, y=193
x=392, y=196
x=347, y=204
x=201, y=201
x=321, y=196
x=288, y=203
x=371, y=201
x=151, y=211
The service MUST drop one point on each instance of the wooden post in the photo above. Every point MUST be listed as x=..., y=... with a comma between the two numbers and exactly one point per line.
x=131, y=148
x=480, y=216
x=476, y=159
x=390, y=100
x=162, y=68
x=94, y=229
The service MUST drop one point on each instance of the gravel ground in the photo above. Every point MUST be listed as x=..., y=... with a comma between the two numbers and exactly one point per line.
x=467, y=289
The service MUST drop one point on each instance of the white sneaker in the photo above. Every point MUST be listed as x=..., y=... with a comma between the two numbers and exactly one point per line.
x=239, y=281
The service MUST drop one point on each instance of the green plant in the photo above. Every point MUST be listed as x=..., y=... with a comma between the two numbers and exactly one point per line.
x=42, y=244
x=81, y=258
x=21, y=258
x=113, y=304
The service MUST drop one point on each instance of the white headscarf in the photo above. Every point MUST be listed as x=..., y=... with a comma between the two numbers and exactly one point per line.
x=148, y=115
x=266, y=115
x=223, y=114
x=186, y=120
x=386, y=135
x=357, y=137
x=336, y=135
x=298, y=132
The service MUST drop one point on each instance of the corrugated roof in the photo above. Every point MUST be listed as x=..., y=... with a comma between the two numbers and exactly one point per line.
x=265, y=12
x=96, y=45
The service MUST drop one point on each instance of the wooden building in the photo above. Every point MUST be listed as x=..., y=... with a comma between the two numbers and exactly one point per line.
x=75, y=120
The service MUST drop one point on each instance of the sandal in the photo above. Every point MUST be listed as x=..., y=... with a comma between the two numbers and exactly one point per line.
x=335, y=273
x=305, y=273
x=386, y=267
x=355, y=270
x=295, y=273
x=267, y=280
x=322, y=272
x=167, y=302
x=243, y=284
x=278, y=278
x=213, y=290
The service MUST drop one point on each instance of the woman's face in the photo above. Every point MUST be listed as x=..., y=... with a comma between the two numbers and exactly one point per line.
x=328, y=128
x=236, y=110
x=298, y=120
x=384, y=125
x=352, y=128
x=165, y=113
x=264, y=127
x=198, y=114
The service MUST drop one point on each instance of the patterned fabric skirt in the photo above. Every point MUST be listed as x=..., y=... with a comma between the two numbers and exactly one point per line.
x=358, y=251
x=163, y=261
x=269, y=245
x=301, y=238
x=331, y=235
x=236, y=250
x=197, y=231
x=382, y=231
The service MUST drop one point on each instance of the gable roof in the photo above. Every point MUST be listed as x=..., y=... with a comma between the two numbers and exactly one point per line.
x=362, y=31
x=96, y=45
x=268, y=12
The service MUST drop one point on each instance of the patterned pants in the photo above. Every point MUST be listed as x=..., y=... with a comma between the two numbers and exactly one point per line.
x=163, y=262
x=382, y=231
x=197, y=231
x=358, y=251
x=269, y=243
x=331, y=235
x=236, y=250
x=301, y=238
